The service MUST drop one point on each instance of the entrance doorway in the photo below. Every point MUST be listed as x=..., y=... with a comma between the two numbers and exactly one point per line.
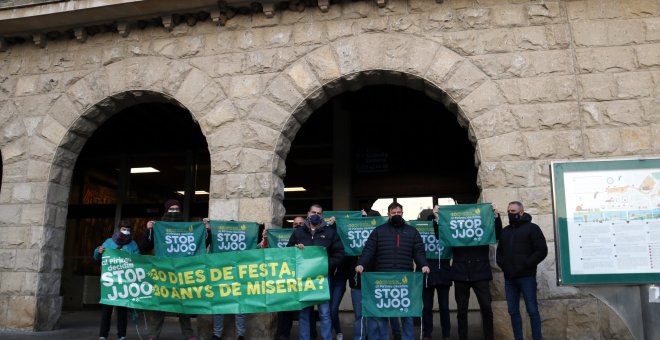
x=141, y=157
x=379, y=142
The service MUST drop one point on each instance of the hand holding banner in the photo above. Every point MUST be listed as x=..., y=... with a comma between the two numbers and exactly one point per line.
x=251, y=281
x=466, y=224
x=392, y=294
x=355, y=231
x=433, y=247
x=179, y=239
x=233, y=235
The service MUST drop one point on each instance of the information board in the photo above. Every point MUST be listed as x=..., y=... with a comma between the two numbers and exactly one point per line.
x=607, y=221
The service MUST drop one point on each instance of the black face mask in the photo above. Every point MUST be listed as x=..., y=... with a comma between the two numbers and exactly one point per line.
x=514, y=218
x=396, y=220
x=173, y=217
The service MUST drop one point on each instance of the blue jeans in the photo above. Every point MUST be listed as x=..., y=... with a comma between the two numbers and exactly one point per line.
x=337, y=290
x=219, y=324
x=379, y=328
x=359, y=329
x=527, y=286
x=326, y=322
x=427, y=312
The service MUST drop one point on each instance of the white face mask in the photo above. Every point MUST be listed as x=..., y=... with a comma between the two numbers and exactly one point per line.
x=126, y=232
x=173, y=210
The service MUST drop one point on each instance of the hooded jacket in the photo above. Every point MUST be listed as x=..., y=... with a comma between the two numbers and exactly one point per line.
x=522, y=247
x=393, y=249
x=324, y=236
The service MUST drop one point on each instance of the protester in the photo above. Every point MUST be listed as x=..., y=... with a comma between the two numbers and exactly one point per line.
x=438, y=281
x=522, y=247
x=285, y=319
x=240, y=318
x=155, y=319
x=121, y=239
x=316, y=232
x=359, y=323
x=337, y=280
x=470, y=268
x=392, y=247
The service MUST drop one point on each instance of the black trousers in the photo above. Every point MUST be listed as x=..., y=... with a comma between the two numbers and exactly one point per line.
x=462, y=294
x=106, y=317
x=285, y=322
x=427, y=311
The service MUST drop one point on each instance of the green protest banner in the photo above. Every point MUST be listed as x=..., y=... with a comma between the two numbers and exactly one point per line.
x=251, y=281
x=179, y=239
x=433, y=247
x=233, y=235
x=337, y=214
x=278, y=237
x=389, y=294
x=466, y=224
x=354, y=232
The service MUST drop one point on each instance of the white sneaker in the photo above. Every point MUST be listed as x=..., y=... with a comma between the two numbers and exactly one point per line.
x=340, y=336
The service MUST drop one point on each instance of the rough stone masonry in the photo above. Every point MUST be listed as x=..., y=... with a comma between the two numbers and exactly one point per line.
x=532, y=81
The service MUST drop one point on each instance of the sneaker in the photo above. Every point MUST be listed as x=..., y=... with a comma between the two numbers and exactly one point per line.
x=215, y=337
x=103, y=338
x=340, y=336
x=121, y=338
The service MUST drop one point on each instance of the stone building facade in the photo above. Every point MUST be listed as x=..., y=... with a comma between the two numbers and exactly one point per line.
x=532, y=81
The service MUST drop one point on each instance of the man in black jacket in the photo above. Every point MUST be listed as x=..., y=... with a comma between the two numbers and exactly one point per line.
x=392, y=247
x=522, y=247
x=316, y=232
x=470, y=268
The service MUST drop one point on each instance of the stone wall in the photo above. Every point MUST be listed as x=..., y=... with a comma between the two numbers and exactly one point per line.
x=532, y=81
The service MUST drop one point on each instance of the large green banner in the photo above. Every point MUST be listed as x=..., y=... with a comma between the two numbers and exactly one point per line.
x=278, y=237
x=433, y=247
x=179, y=239
x=355, y=231
x=233, y=235
x=389, y=294
x=466, y=224
x=251, y=281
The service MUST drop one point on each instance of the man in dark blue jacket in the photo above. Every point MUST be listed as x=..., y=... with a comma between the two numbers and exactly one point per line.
x=392, y=247
x=522, y=247
x=316, y=232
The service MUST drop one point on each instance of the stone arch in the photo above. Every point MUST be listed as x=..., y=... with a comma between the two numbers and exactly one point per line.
x=70, y=121
x=90, y=101
x=354, y=62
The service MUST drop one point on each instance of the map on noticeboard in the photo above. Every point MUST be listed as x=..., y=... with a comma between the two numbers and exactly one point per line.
x=607, y=221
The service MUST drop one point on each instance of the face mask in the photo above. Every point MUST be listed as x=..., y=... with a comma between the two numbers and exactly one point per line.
x=173, y=217
x=126, y=232
x=315, y=219
x=173, y=210
x=120, y=238
x=514, y=218
x=396, y=220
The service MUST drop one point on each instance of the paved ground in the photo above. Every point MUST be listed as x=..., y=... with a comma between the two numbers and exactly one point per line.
x=84, y=325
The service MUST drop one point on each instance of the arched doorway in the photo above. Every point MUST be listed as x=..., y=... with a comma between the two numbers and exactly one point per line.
x=142, y=156
x=380, y=142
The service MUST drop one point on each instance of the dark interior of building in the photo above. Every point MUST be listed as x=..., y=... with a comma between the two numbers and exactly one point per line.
x=388, y=141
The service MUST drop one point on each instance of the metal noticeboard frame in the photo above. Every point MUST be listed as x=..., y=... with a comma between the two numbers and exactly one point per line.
x=566, y=240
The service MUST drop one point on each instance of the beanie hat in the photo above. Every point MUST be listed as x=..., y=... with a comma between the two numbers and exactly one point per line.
x=124, y=223
x=172, y=202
